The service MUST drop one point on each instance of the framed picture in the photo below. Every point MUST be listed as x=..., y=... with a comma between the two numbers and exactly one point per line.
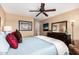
x=25, y=25
x=46, y=27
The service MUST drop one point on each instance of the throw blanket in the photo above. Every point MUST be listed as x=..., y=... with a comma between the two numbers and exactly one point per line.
x=61, y=46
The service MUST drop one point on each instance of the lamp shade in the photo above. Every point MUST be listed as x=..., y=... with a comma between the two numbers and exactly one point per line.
x=72, y=20
x=7, y=28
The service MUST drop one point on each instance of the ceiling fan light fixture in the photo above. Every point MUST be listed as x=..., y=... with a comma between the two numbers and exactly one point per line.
x=42, y=10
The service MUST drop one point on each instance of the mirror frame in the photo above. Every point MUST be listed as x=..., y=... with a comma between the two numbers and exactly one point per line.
x=57, y=23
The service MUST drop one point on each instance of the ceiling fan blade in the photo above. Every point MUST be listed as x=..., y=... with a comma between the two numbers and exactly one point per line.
x=34, y=11
x=45, y=14
x=38, y=14
x=50, y=10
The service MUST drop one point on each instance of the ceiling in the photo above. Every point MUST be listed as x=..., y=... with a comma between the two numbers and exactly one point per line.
x=23, y=8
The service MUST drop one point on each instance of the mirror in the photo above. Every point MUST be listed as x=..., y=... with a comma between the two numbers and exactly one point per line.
x=59, y=27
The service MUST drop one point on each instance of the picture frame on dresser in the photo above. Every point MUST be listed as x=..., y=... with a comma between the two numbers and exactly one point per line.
x=25, y=25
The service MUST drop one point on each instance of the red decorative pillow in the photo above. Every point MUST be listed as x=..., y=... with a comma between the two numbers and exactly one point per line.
x=13, y=33
x=12, y=41
x=18, y=36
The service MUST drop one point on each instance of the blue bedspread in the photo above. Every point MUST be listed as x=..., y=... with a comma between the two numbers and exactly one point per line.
x=34, y=46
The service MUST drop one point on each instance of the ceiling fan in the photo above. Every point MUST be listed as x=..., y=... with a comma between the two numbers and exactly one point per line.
x=42, y=10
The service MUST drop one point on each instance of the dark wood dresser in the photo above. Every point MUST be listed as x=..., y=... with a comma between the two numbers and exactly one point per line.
x=60, y=36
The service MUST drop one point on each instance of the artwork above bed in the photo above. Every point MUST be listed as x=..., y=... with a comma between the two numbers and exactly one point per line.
x=25, y=25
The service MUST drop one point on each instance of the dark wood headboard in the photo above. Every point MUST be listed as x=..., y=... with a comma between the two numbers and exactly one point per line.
x=61, y=36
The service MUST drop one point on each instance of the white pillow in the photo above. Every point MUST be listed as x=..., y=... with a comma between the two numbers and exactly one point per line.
x=4, y=46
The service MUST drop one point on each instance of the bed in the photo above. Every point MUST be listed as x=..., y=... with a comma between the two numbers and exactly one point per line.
x=40, y=45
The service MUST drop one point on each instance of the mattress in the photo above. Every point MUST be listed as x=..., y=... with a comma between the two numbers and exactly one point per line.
x=34, y=46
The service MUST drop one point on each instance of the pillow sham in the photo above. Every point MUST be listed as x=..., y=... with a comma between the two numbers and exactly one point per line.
x=13, y=33
x=4, y=46
x=12, y=41
x=18, y=35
